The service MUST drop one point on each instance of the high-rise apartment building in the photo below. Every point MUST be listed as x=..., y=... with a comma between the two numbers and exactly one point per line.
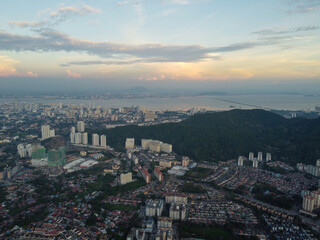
x=95, y=139
x=154, y=207
x=72, y=137
x=178, y=211
x=85, y=138
x=185, y=161
x=308, y=203
x=255, y=163
x=129, y=143
x=103, y=141
x=78, y=138
x=240, y=161
x=155, y=146
x=149, y=116
x=57, y=157
x=268, y=157
x=80, y=126
x=125, y=178
x=38, y=151
x=46, y=132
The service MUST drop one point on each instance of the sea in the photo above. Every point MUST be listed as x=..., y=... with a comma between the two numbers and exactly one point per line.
x=224, y=102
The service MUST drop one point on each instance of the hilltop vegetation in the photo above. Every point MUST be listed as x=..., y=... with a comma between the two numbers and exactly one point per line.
x=226, y=135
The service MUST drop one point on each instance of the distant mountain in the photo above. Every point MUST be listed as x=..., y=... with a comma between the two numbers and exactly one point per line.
x=226, y=135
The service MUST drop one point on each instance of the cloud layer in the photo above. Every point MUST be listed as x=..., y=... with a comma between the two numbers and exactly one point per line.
x=49, y=40
x=63, y=14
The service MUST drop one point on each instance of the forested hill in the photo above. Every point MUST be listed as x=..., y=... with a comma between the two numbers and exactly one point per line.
x=226, y=135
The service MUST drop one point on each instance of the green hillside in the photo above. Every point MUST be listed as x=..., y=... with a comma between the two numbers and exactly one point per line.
x=226, y=135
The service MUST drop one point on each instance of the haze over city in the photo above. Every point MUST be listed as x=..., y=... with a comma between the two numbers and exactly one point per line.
x=161, y=44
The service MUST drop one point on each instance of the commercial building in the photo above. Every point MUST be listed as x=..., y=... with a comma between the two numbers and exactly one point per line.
x=80, y=126
x=103, y=141
x=154, y=208
x=178, y=211
x=125, y=178
x=158, y=174
x=95, y=139
x=57, y=157
x=129, y=143
x=39, y=162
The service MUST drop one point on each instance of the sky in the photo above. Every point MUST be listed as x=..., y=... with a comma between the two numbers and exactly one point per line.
x=160, y=43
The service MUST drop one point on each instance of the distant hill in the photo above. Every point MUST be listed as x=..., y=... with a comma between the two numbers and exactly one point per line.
x=226, y=135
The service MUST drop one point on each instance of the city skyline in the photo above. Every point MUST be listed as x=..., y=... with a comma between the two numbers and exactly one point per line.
x=162, y=43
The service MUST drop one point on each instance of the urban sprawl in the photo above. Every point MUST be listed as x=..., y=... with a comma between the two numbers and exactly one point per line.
x=60, y=179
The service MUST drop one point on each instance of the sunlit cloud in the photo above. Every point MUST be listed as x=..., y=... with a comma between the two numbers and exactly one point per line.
x=73, y=74
x=8, y=69
x=24, y=24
